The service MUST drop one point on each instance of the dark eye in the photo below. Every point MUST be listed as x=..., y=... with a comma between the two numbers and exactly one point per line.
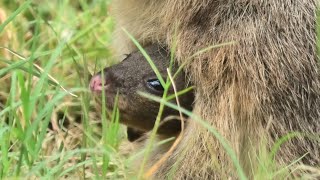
x=155, y=85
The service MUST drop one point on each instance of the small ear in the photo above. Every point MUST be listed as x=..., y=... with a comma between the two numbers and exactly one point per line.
x=134, y=134
x=126, y=56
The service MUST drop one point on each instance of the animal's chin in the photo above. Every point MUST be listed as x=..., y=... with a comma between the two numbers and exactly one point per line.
x=126, y=119
x=110, y=100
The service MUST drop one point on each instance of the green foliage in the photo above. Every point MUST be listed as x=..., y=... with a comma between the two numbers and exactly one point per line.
x=51, y=48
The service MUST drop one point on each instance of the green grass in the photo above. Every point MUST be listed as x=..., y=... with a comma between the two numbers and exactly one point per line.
x=48, y=125
x=48, y=49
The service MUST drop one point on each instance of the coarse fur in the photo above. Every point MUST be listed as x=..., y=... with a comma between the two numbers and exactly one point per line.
x=259, y=89
x=134, y=74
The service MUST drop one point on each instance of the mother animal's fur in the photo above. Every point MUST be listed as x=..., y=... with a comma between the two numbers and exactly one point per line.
x=260, y=88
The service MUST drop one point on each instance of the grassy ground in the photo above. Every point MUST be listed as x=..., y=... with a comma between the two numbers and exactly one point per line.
x=47, y=122
x=44, y=103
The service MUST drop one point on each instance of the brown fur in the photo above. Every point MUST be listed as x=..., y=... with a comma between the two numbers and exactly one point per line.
x=134, y=74
x=257, y=90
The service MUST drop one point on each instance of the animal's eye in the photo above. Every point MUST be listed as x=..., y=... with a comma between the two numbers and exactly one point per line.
x=155, y=85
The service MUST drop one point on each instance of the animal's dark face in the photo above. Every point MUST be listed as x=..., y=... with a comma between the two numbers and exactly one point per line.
x=134, y=74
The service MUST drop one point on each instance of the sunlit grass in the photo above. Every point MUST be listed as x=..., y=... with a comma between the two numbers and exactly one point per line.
x=48, y=51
